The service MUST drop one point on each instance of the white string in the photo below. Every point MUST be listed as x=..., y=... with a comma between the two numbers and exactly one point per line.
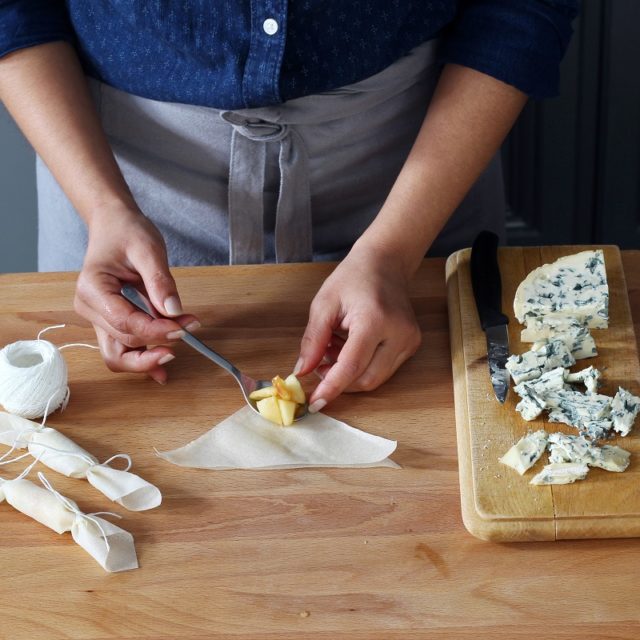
x=78, y=344
x=74, y=509
x=27, y=470
x=124, y=456
x=72, y=344
x=53, y=326
x=16, y=459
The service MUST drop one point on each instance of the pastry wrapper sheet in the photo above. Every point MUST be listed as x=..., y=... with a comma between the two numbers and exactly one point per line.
x=245, y=440
x=60, y=453
x=112, y=547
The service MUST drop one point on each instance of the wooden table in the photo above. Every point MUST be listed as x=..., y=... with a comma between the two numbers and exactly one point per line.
x=375, y=554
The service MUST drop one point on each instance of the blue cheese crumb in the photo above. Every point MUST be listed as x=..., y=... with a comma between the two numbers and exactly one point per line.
x=624, y=409
x=590, y=377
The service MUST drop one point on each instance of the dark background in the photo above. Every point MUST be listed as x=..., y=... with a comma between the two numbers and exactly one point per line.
x=572, y=164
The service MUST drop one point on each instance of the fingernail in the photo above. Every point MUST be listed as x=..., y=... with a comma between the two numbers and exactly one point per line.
x=318, y=374
x=176, y=335
x=168, y=357
x=193, y=325
x=298, y=368
x=314, y=407
x=172, y=306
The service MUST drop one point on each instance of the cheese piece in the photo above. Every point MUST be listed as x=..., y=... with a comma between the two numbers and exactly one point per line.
x=624, y=409
x=573, y=286
x=569, y=448
x=596, y=429
x=611, y=458
x=561, y=473
x=590, y=377
x=532, y=364
x=526, y=452
x=548, y=381
x=532, y=392
x=531, y=405
x=575, y=408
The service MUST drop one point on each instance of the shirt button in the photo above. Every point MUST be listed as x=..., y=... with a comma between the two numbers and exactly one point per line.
x=270, y=26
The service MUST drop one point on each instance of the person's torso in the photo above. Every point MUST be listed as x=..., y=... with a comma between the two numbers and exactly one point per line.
x=236, y=54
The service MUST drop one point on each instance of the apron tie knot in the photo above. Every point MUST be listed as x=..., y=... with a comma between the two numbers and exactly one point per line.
x=293, y=242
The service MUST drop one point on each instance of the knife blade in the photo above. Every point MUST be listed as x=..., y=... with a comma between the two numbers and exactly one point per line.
x=487, y=292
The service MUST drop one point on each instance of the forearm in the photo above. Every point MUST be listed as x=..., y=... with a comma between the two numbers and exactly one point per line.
x=44, y=89
x=469, y=117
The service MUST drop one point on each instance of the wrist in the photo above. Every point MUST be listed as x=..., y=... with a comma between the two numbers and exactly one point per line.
x=380, y=256
x=110, y=211
x=392, y=254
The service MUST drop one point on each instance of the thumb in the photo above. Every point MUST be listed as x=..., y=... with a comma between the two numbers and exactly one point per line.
x=316, y=337
x=153, y=267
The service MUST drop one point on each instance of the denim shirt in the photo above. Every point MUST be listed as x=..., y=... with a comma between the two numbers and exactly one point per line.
x=233, y=54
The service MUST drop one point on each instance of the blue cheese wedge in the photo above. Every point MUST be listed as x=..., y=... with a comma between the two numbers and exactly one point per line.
x=561, y=473
x=532, y=364
x=590, y=377
x=573, y=286
x=624, y=409
x=569, y=448
x=526, y=452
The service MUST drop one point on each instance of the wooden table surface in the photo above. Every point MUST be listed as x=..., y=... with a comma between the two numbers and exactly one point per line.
x=317, y=554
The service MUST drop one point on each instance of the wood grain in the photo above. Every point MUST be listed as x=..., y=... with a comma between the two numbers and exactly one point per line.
x=498, y=504
x=372, y=554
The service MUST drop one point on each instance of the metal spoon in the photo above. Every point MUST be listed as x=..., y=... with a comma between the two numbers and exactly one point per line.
x=247, y=384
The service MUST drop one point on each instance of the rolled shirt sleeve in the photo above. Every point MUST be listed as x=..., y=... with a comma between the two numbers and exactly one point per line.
x=25, y=23
x=520, y=42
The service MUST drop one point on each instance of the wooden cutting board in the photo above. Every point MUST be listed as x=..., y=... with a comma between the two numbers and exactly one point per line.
x=497, y=503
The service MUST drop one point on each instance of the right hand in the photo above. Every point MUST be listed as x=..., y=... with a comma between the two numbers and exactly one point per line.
x=125, y=246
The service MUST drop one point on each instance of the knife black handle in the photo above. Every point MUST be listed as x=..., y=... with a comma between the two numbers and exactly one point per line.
x=485, y=279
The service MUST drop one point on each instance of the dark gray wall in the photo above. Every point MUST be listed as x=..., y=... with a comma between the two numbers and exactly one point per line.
x=572, y=164
x=18, y=223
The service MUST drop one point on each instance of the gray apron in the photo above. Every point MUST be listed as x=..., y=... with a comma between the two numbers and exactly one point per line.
x=294, y=182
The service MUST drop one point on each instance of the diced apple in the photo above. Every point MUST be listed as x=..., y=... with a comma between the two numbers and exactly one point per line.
x=269, y=409
x=265, y=392
x=281, y=389
x=295, y=389
x=287, y=411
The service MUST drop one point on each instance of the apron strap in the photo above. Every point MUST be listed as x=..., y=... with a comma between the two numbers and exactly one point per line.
x=246, y=186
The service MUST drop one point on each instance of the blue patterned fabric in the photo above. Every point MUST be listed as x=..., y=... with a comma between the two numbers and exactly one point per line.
x=233, y=54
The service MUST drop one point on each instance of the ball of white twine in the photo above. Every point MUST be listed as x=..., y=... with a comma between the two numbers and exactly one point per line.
x=33, y=378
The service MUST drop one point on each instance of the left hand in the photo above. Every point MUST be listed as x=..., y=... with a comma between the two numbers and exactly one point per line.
x=366, y=298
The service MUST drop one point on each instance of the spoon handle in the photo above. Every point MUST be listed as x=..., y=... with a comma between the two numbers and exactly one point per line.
x=138, y=300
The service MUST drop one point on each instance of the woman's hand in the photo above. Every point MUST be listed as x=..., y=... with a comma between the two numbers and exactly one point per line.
x=124, y=246
x=366, y=300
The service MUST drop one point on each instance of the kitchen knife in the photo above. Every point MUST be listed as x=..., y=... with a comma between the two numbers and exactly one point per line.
x=487, y=291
